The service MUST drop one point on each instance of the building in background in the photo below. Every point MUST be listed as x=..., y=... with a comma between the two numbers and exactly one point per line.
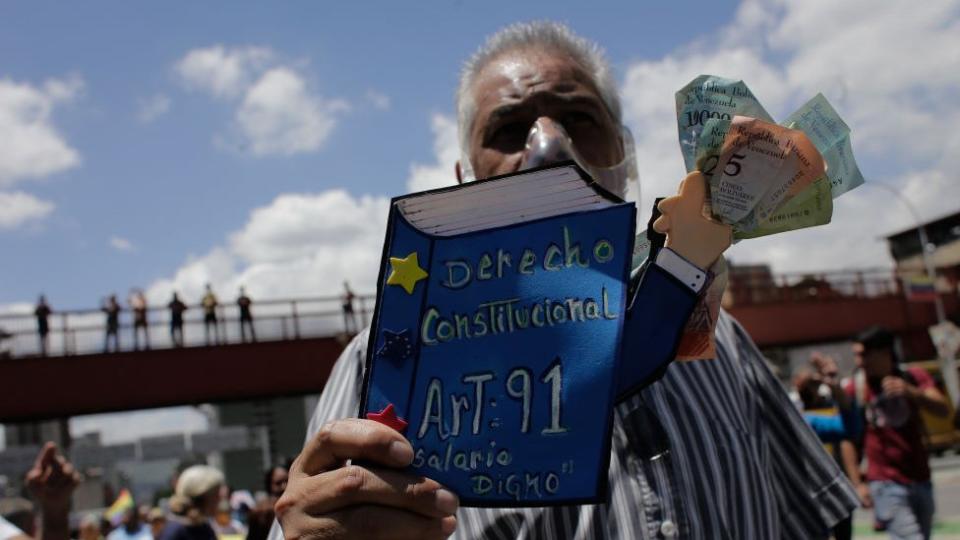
x=282, y=424
x=943, y=235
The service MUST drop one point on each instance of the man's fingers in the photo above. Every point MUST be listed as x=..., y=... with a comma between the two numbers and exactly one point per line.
x=353, y=438
x=367, y=522
x=354, y=485
x=377, y=522
x=46, y=456
x=668, y=205
x=662, y=224
x=693, y=189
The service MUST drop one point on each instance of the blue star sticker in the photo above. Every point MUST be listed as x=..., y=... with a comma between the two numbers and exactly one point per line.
x=396, y=346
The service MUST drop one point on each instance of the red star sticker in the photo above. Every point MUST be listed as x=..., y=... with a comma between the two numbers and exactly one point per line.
x=388, y=417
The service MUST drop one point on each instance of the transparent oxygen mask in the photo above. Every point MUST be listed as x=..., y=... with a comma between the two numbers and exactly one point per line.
x=548, y=142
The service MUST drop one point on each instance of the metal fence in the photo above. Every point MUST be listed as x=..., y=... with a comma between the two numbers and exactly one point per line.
x=85, y=331
x=761, y=288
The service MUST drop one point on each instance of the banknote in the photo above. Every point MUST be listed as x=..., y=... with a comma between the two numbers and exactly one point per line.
x=764, y=178
x=706, y=98
x=698, y=341
x=831, y=135
x=760, y=166
x=811, y=207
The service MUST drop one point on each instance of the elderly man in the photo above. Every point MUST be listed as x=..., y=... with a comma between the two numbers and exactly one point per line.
x=714, y=449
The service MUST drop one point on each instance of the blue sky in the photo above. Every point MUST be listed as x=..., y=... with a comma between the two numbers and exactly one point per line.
x=168, y=145
x=166, y=186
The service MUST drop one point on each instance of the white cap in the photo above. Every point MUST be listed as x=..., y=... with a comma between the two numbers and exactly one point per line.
x=197, y=480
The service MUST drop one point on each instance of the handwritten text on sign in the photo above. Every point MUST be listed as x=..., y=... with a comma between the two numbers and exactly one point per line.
x=485, y=417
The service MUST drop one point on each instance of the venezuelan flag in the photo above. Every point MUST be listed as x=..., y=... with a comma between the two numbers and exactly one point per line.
x=920, y=289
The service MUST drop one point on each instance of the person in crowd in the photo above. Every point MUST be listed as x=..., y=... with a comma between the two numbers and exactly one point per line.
x=177, y=308
x=275, y=480
x=42, y=312
x=9, y=531
x=112, y=308
x=19, y=516
x=51, y=482
x=131, y=527
x=157, y=521
x=714, y=449
x=194, y=504
x=225, y=526
x=833, y=418
x=90, y=528
x=246, y=317
x=262, y=514
x=138, y=305
x=209, y=303
x=898, y=469
x=349, y=319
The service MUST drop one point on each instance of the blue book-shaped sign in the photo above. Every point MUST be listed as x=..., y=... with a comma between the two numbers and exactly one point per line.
x=497, y=331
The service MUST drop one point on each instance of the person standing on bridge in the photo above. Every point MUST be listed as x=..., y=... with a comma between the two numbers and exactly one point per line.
x=112, y=308
x=210, y=303
x=42, y=312
x=138, y=304
x=176, y=320
x=246, y=317
x=349, y=319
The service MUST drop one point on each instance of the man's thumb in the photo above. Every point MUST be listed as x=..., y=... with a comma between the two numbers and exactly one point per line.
x=694, y=188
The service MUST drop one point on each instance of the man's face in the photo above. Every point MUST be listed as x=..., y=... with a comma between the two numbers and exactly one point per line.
x=519, y=87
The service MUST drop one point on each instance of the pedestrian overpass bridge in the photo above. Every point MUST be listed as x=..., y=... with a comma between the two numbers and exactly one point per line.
x=300, y=339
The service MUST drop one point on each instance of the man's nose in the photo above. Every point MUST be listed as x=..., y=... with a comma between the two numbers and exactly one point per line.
x=547, y=143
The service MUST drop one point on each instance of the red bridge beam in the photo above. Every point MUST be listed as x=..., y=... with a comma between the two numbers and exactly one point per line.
x=803, y=322
x=53, y=387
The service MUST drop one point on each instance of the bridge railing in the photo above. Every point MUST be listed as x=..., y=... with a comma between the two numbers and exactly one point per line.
x=85, y=331
x=747, y=288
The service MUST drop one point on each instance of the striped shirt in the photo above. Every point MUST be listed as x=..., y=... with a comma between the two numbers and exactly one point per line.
x=713, y=450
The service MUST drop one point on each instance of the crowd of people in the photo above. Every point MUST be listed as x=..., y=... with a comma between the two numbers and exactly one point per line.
x=875, y=413
x=199, y=506
x=139, y=309
x=209, y=304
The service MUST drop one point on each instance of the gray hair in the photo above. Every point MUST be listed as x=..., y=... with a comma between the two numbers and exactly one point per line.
x=543, y=34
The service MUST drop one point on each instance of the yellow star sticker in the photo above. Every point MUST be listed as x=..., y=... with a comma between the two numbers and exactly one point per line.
x=406, y=272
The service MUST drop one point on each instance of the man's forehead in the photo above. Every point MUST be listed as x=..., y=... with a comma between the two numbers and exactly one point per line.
x=514, y=74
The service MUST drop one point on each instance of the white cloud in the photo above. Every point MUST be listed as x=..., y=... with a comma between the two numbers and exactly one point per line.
x=379, y=100
x=277, y=113
x=891, y=71
x=18, y=208
x=308, y=244
x=440, y=173
x=32, y=147
x=149, y=109
x=120, y=243
x=220, y=71
x=280, y=116
x=298, y=245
